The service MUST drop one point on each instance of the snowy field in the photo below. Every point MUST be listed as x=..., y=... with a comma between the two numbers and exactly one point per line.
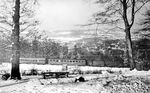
x=122, y=80
x=23, y=67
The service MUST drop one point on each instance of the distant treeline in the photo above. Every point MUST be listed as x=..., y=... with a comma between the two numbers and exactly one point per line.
x=103, y=53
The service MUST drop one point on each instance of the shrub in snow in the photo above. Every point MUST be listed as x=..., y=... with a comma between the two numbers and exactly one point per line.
x=76, y=71
x=88, y=72
x=31, y=72
x=110, y=71
x=5, y=76
x=34, y=71
x=80, y=79
x=97, y=72
x=93, y=72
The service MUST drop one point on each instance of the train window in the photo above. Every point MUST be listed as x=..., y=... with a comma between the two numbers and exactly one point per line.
x=59, y=60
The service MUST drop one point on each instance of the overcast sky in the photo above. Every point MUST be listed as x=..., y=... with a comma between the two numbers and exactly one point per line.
x=60, y=17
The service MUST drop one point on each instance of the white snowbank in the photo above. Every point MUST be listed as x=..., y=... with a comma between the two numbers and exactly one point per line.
x=125, y=71
x=137, y=73
x=7, y=66
x=95, y=83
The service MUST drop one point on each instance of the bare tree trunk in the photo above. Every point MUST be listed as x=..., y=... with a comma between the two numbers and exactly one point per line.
x=126, y=55
x=15, y=71
x=128, y=32
x=129, y=48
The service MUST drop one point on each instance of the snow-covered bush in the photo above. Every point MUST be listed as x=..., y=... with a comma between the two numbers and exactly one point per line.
x=76, y=71
x=93, y=72
x=121, y=84
x=32, y=71
x=5, y=76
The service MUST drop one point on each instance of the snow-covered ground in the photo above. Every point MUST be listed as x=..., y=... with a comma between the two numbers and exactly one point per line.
x=23, y=67
x=122, y=80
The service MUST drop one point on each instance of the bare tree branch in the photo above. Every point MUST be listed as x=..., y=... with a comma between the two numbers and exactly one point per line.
x=132, y=13
x=141, y=6
x=119, y=27
x=7, y=22
x=121, y=1
x=27, y=13
x=4, y=29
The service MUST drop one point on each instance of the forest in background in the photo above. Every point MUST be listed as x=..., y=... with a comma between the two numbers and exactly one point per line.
x=109, y=53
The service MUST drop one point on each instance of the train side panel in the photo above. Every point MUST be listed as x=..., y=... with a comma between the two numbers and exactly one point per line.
x=52, y=61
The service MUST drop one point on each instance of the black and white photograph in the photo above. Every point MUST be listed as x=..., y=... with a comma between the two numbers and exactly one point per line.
x=74, y=46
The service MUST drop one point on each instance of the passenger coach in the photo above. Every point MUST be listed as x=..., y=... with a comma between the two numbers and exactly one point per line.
x=52, y=61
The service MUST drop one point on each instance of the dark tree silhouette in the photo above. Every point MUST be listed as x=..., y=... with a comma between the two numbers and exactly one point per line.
x=15, y=71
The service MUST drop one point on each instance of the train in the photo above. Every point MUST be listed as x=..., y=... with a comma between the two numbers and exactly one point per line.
x=79, y=62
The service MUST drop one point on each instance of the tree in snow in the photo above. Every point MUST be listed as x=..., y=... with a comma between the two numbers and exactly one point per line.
x=121, y=11
x=14, y=13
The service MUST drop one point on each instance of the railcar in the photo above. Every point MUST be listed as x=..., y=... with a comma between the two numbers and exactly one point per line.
x=53, y=61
